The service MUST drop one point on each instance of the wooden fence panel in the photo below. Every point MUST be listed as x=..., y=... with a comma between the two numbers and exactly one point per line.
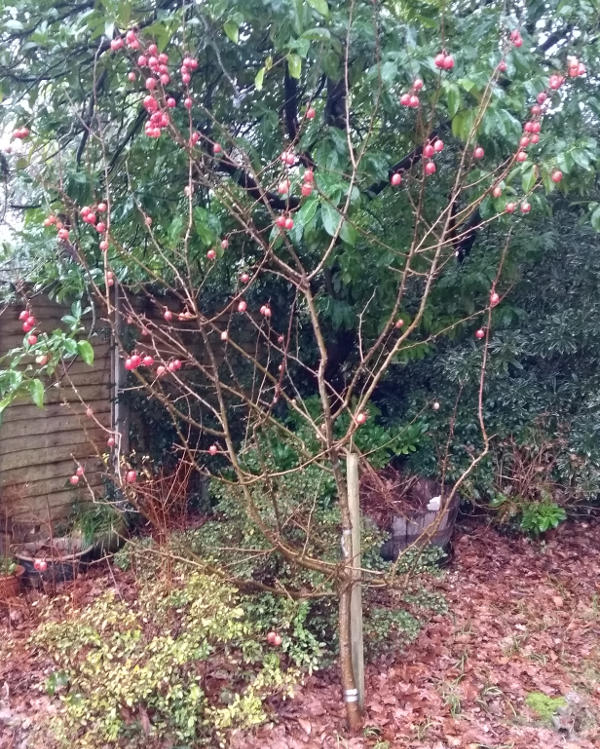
x=39, y=447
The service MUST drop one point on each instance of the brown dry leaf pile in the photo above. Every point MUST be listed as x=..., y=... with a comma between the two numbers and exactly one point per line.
x=524, y=617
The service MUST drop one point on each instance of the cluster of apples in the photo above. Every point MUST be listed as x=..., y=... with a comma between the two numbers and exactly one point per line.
x=74, y=480
x=29, y=323
x=89, y=215
x=61, y=230
x=411, y=99
x=533, y=126
x=516, y=38
x=138, y=360
x=173, y=366
x=494, y=301
x=429, y=151
x=284, y=221
x=308, y=180
x=154, y=65
x=575, y=68
x=443, y=60
x=21, y=133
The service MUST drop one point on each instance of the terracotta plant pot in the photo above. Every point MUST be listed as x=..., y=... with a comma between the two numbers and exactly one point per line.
x=10, y=585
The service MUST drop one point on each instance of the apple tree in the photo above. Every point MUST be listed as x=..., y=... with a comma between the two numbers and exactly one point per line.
x=269, y=195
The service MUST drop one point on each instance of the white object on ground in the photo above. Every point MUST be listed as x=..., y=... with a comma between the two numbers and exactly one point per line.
x=434, y=504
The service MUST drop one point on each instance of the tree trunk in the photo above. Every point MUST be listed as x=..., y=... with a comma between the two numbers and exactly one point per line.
x=349, y=689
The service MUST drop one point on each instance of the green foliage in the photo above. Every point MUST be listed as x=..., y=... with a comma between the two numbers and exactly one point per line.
x=541, y=379
x=543, y=706
x=538, y=517
x=141, y=672
x=22, y=375
x=7, y=566
x=529, y=516
x=95, y=521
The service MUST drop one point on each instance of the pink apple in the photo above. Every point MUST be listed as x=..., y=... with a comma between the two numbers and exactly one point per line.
x=438, y=60
x=448, y=62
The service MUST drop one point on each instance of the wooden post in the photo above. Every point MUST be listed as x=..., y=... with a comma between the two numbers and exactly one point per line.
x=356, y=614
x=119, y=424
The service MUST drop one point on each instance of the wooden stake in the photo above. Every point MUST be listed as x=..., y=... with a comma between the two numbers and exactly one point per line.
x=356, y=614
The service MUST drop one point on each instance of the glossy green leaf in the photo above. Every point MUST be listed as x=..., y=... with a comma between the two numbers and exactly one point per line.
x=330, y=218
x=348, y=234
x=36, y=388
x=86, y=351
x=259, y=78
x=232, y=30
x=320, y=6
x=294, y=64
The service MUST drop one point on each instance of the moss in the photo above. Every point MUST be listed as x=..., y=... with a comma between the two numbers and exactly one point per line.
x=543, y=706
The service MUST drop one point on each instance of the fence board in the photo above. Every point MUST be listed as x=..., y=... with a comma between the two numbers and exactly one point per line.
x=37, y=445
